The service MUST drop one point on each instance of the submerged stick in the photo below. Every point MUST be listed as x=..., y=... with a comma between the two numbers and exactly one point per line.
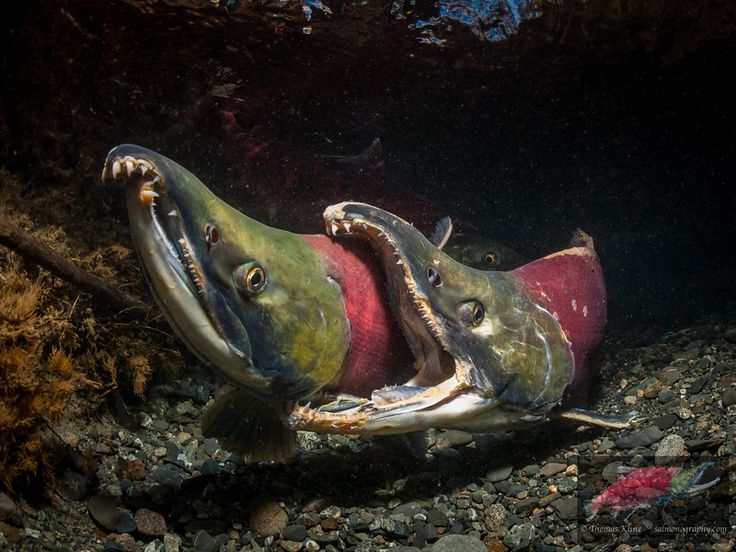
x=41, y=254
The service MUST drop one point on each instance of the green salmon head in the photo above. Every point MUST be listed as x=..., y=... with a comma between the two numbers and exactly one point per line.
x=253, y=301
x=478, y=328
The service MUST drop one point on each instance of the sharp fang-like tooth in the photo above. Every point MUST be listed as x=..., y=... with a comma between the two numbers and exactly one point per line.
x=346, y=226
x=130, y=166
x=147, y=196
x=334, y=228
x=172, y=213
x=116, y=168
x=399, y=262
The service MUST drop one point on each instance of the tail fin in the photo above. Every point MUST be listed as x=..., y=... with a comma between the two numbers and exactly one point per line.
x=588, y=510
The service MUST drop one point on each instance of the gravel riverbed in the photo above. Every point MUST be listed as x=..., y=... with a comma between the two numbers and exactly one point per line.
x=148, y=481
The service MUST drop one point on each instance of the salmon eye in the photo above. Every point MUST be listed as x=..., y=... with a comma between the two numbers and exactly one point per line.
x=250, y=278
x=211, y=234
x=490, y=258
x=472, y=313
x=255, y=279
x=434, y=277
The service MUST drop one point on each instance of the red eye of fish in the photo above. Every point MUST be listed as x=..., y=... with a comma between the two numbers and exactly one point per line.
x=211, y=234
x=490, y=258
x=434, y=277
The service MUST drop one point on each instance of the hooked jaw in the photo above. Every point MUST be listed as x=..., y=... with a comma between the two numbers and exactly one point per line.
x=172, y=270
x=439, y=394
x=253, y=301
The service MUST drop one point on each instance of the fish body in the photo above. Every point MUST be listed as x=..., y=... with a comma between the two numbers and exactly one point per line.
x=646, y=487
x=387, y=334
x=493, y=350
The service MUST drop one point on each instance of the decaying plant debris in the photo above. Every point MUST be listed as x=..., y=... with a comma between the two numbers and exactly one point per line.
x=57, y=344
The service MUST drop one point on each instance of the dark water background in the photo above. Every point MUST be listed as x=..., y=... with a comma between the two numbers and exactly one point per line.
x=617, y=118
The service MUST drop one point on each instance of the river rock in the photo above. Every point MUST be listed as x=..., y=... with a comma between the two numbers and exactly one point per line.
x=7, y=507
x=567, y=508
x=150, y=523
x=453, y=438
x=728, y=397
x=104, y=511
x=519, y=537
x=670, y=448
x=642, y=438
x=295, y=532
x=459, y=543
x=499, y=474
x=268, y=518
x=552, y=468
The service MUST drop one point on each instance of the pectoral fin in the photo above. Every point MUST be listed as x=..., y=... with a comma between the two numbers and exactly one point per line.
x=248, y=426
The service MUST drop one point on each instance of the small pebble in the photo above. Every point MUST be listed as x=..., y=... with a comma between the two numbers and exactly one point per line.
x=499, y=474
x=291, y=546
x=150, y=523
x=567, y=508
x=642, y=438
x=268, y=518
x=519, y=536
x=126, y=524
x=172, y=542
x=665, y=422
x=670, y=448
x=7, y=506
x=204, y=542
x=437, y=518
x=295, y=532
x=453, y=438
x=494, y=517
x=728, y=397
x=552, y=468
x=459, y=543
x=104, y=511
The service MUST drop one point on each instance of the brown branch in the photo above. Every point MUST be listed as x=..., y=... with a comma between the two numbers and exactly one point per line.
x=41, y=254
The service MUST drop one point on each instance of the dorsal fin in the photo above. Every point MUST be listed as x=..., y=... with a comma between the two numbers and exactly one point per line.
x=370, y=157
x=581, y=239
x=442, y=232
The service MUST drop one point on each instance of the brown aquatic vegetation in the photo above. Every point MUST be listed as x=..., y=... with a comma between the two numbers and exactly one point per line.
x=36, y=372
x=54, y=345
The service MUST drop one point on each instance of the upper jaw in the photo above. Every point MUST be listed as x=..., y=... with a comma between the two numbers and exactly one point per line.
x=423, y=326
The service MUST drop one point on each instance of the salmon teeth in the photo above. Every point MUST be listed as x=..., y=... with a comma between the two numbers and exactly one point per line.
x=147, y=196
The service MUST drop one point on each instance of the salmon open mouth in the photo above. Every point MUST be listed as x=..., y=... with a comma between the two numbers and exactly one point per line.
x=425, y=336
x=437, y=394
x=192, y=307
